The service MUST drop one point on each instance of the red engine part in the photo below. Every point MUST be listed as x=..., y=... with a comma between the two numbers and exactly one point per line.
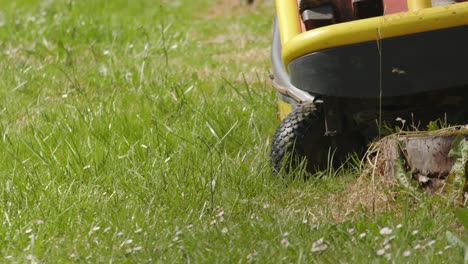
x=394, y=6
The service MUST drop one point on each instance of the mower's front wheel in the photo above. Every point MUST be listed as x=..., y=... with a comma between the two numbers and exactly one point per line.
x=300, y=136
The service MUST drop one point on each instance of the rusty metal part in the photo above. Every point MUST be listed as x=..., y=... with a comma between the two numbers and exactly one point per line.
x=296, y=94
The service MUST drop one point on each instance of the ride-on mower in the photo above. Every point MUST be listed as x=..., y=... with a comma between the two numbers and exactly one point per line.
x=346, y=69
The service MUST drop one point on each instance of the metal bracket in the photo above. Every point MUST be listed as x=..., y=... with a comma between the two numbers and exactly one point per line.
x=318, y=13
x=332, y=117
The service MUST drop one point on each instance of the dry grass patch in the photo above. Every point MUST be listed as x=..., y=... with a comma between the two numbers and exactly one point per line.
x=230, y=8
x=369, y=194
x=251, y=55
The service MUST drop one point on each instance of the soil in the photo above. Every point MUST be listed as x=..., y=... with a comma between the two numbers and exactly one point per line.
x=224, y=7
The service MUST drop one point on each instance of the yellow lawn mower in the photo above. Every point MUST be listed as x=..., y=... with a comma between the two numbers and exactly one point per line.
x=345, y=69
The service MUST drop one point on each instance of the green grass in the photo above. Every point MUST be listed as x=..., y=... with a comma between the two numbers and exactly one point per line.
x=140, y=133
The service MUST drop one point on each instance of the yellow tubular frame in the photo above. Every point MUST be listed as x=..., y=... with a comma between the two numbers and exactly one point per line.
x=296, y=44
x=415, y=5
x=289, y=24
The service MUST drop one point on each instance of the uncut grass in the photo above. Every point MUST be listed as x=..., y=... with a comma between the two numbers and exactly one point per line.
x=140, y=133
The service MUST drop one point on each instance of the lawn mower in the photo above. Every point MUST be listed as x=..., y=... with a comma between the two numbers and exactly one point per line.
x=347, y=71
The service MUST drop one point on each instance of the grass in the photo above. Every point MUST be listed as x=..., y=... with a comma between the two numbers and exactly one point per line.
x=140, y=132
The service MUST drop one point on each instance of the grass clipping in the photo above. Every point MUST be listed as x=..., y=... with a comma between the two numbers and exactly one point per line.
x=409, y=162
x=433, y=161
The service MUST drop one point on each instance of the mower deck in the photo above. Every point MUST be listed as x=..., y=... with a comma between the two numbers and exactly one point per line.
x=390, y=67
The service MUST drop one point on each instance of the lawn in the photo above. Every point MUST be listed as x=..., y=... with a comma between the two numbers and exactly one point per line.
x=139, y=131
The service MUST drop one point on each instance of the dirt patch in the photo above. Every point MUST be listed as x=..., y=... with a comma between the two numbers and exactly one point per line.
x=222, y=7
x=227, y=7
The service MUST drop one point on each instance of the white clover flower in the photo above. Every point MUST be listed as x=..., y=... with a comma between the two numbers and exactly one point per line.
x=252, y=255
x=430, y=243
x=319, y=245
x=285, y=242
x=385, y=231
x=138, y=248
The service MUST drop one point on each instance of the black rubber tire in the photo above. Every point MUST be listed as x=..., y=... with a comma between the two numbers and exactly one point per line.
x=300, y=136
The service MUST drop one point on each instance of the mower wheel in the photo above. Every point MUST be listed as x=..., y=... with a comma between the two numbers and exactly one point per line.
x=300, y=136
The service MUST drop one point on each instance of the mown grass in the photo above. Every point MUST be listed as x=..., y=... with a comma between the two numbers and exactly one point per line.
x=139, y=132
